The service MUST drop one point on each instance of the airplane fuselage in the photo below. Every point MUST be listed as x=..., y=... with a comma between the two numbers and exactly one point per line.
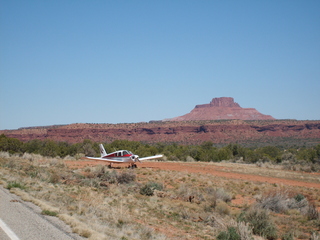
x=121, y=156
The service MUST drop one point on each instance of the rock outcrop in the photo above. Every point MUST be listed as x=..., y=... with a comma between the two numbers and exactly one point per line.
x=222, y=108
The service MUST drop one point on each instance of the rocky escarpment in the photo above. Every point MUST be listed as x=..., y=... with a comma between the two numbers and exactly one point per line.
x=222, y=108
x=195, y=132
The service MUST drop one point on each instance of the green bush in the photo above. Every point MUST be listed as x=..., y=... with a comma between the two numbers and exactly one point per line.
x=15, y=184
x=230, y=234
x=261, y=222
x=149, y=188
x=49, y=213
x=299, y=197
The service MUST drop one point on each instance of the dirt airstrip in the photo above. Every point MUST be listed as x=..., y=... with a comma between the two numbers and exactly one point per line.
x=246, y=172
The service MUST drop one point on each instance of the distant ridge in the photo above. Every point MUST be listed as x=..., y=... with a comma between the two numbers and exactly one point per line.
x=220, y=109
x=187, y=132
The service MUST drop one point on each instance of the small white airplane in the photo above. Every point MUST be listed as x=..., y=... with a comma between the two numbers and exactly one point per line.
x=121, y=156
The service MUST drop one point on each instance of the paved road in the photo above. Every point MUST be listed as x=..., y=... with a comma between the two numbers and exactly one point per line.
x=20, y=220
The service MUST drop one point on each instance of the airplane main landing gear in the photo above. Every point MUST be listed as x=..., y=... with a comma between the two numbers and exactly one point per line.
x=132, y=166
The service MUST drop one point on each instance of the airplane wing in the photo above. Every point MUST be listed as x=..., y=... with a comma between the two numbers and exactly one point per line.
x=151, y=157
x=105, y=160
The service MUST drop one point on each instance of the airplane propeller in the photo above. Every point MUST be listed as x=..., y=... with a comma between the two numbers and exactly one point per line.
x=135, y=158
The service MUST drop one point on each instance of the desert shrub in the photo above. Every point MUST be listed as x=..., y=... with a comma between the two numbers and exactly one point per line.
x=301, y=165
x=288, y=157
x=190, y=159
x=126, y=177
x=15, y=184
x=12, y=164
x=308, y=155
x=275, y=201
x=214, y=199
x=49, y=213
x=115, y=177
x=223, y=195
x=288, y=236
x=222, y=208
x=54, y=178
x=244, y=230
x=292, y=203
x=315, y=236
x=211, y=203
x=280, y=202
x=90, y=182
x=299, y=197
x=108, y=176
x=312, y=212
x=261, y=222
x=149, y=188
x=230, y=234
x=4, y=154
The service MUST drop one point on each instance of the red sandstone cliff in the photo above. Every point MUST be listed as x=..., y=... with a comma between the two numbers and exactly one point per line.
x=226, y=131
x=222, y=108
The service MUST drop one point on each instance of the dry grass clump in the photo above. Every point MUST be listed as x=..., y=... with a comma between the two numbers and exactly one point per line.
x=315, y=236
x=80, y=227
x=4, y=155
x=27, y=197
x=311, y=212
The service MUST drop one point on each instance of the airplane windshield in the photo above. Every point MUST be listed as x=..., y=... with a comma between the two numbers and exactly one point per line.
x=125, y=152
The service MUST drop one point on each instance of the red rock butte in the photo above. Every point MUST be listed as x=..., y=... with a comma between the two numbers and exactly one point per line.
x=222, y=108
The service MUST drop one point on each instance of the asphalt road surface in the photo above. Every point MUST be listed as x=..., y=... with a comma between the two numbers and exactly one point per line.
x=20, y=220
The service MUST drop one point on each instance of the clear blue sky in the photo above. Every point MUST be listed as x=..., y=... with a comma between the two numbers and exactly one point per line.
x=68, y=61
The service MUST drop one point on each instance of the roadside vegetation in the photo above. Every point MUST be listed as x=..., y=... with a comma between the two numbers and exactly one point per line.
x=102, y=203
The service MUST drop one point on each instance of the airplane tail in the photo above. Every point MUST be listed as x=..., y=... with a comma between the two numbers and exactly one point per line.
x=102, y=150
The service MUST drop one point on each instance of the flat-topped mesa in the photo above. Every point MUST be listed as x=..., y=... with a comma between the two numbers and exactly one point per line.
x=220, y=102
x=222, y=108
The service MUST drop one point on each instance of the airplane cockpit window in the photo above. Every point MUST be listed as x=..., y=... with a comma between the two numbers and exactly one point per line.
x=125, y=153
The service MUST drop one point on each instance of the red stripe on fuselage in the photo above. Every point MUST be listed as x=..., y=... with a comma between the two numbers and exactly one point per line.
x=114, y=155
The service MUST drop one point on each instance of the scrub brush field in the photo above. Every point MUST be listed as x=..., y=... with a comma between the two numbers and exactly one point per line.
x=169, y=200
